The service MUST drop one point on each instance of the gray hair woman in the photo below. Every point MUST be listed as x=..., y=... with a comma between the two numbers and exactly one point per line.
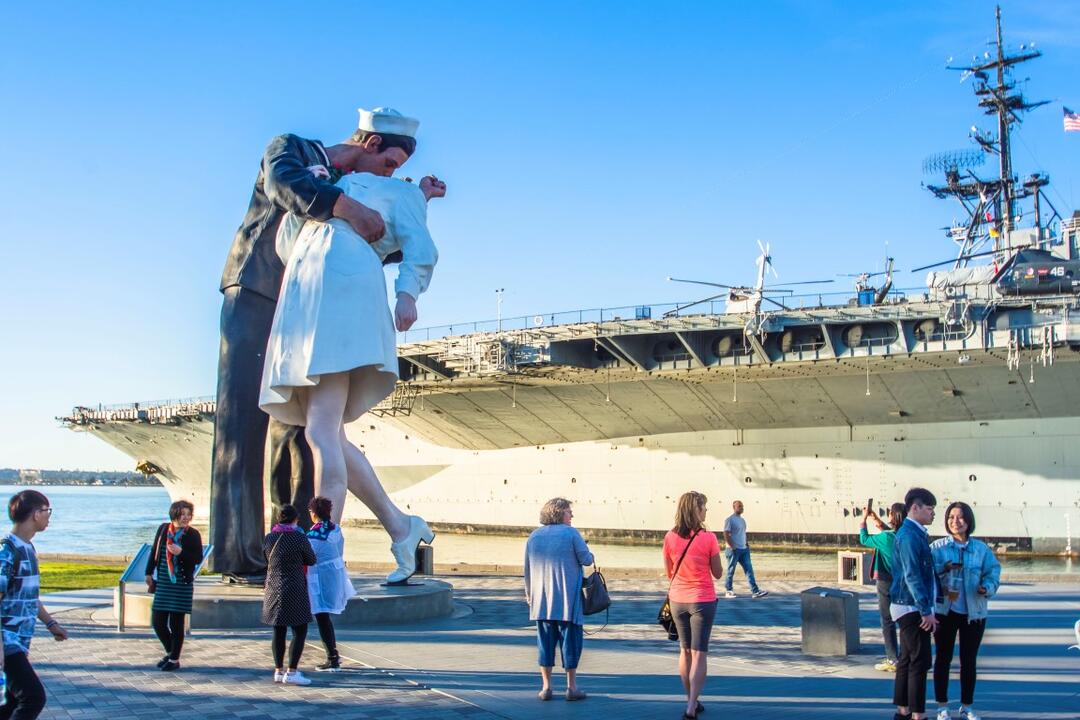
x=554, y=556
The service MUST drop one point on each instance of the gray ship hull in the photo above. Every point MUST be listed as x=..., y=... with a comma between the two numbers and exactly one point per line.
x=802, y=441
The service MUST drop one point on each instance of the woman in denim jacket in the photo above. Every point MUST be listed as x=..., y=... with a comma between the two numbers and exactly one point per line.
x=969, y=575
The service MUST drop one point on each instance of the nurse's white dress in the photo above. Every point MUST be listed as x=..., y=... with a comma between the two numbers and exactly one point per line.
x=329, y=586
x=332, y=314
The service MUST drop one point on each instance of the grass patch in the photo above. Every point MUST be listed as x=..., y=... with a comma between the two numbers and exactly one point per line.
x=56, y=576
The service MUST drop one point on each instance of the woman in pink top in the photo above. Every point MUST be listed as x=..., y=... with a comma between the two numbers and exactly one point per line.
x=692, y=594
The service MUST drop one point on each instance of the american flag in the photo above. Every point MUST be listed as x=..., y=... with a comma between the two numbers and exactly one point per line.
x=1072, y=120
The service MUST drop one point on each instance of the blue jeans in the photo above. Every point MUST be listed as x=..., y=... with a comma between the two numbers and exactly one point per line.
x=742, y=557
x=568, y=636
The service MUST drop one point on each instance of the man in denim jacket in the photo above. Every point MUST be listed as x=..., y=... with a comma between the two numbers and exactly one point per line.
x=913, y=593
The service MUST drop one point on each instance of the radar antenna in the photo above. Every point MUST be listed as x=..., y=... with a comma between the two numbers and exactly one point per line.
x=953, y=160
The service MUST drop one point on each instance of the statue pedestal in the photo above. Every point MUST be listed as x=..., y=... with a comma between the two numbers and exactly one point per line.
x=218, y=605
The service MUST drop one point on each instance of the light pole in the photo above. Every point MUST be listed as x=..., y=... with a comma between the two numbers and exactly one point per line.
x=498, y=307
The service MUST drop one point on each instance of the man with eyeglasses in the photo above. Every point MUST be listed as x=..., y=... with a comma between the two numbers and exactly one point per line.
x=912, y=596
x=20, y=584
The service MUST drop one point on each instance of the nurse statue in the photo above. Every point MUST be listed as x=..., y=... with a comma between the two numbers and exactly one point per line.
x=332, y=352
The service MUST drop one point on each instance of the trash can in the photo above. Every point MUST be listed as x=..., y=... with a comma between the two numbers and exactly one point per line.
x=830, y=622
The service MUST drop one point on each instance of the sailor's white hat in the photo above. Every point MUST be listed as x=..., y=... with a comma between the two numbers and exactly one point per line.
x=387, y=120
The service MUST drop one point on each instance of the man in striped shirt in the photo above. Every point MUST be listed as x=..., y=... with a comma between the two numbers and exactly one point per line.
x=20, y=584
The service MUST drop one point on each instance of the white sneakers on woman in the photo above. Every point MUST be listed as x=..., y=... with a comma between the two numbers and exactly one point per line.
x=294, y=677
x=291, y=677
x=404, y=551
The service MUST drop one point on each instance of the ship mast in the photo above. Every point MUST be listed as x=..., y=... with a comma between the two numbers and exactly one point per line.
x=1005, y=153
x=999, y=97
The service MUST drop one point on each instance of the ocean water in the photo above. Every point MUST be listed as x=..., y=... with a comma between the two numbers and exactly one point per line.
x=118, y=520
x=99, y=520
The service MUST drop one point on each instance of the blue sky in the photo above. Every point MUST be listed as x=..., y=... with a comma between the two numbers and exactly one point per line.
x=591, y=149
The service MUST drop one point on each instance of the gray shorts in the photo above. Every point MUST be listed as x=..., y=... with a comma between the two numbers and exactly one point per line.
x=694, y=621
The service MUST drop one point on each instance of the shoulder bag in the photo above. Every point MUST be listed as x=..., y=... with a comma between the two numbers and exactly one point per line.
x=664, y=617
x=594, y=593
x=151, y=585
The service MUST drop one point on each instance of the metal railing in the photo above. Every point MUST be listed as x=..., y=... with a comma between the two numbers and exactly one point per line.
x=144, y=404
x=653, y=311
x=154, y=411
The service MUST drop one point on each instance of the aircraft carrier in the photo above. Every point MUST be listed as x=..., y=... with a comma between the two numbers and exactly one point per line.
x=801, y=408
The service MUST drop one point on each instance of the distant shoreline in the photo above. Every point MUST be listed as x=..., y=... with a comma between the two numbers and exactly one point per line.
x=32, y=477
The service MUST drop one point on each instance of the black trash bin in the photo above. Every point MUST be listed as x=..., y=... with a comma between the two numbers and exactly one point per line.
x=830, y=622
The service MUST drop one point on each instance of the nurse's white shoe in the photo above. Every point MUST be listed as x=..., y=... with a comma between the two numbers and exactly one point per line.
x=404, y=551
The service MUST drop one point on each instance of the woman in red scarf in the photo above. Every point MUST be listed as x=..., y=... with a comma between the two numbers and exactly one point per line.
x=170, y=575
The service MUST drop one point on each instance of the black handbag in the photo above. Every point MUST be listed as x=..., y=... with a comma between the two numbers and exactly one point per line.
x=594, y=593
x=664, y=618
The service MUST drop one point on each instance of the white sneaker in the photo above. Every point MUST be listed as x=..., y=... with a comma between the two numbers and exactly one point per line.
x=278, y=676
x=760, y=594
x=886, y=665
x=944, y=714
x=295, y=677
x=730, y=594
x=968, y=713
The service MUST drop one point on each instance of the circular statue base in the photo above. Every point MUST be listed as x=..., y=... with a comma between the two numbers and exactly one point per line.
x=220, y=605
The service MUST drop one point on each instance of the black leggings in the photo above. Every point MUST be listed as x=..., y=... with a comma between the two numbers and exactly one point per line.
x=169, y=628
x=296, y=646
x=326, y=634
x=25, y=694
x=971, y=634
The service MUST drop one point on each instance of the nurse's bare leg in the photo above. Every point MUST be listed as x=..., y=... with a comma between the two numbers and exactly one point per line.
x=364, y=484
x=324, y=409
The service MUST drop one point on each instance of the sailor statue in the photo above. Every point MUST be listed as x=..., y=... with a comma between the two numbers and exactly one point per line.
x=319, y=349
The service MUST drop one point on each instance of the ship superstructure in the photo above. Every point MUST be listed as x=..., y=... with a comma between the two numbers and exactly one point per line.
x=971, y=388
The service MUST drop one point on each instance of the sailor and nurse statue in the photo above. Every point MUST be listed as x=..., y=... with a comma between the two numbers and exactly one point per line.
x=308, y=342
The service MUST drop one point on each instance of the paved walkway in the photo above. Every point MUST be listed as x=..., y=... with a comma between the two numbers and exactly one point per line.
x=481, y=664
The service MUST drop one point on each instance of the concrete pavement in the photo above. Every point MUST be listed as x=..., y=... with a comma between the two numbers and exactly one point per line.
x=482, y=663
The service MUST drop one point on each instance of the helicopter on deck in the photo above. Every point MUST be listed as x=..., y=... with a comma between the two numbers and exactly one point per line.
x=867, y=293
x=1035, y=272
x=743, y=300
x=1025, y=267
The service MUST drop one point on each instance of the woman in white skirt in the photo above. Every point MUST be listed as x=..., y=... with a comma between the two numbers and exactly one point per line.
x=332, y=351
x=329, y=586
